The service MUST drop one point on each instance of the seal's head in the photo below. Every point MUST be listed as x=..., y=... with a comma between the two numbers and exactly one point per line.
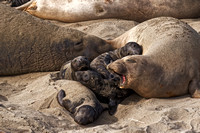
x=89, y=46
x=80, y=63
x=131, y=69
x=85, y=115
x=88, y=78
x=131, y=48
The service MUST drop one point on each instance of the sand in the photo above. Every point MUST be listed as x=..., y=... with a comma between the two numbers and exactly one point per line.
x=27, y=102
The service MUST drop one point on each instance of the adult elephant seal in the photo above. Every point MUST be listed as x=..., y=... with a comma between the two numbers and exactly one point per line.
x=79, y=101
x=170, y=63
x=28, y=44
x=137, y=10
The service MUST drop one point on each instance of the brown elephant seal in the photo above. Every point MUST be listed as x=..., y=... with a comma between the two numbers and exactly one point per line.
x=170, y=63
x=79, y=101
x=28, y=44
x=67, y=11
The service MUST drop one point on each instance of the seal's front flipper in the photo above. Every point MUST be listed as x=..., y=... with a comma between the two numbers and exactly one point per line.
x=112, y=106
x=194, y=88
x=61, y=94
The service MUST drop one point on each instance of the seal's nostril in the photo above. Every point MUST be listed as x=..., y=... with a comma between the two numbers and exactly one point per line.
x=111, y=76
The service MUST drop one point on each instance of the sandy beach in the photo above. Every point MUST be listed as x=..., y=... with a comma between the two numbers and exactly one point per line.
x=28, y=104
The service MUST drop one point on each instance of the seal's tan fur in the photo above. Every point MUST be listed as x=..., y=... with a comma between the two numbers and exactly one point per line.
x=138, y=10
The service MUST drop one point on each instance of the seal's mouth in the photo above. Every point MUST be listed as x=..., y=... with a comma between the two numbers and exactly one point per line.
x=121, y=74
x=83, y=68
x=123, y=81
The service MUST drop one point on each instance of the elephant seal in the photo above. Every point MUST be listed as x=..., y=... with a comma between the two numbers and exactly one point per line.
x=67, y=11
x=28, y=44
x=170, y=63
x=79, y=101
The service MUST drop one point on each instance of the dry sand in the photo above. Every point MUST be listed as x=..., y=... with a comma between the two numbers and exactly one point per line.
x=27, y=101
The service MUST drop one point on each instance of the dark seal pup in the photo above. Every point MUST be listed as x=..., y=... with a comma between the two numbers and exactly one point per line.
x=79, y=101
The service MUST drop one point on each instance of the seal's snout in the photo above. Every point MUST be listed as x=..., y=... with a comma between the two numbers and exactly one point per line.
x=117, y=68
x=82, y=76
x=85, y=115
x=80, y=63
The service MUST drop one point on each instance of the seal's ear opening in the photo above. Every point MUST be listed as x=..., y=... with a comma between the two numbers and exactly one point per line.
x=85, y=115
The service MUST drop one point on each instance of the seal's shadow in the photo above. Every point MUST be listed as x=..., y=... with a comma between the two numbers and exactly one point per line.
x=104, y=119
x=133, y=98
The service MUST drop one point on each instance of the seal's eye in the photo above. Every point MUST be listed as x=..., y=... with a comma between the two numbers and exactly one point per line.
x=130, y=61
x=78, y=45
x=86, y=77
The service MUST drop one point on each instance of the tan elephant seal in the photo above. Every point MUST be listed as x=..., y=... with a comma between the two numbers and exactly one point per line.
x=137, y=10
x=170, y=63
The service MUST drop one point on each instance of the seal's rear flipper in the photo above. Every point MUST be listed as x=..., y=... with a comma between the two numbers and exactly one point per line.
x=61, y=94
x=194, y=88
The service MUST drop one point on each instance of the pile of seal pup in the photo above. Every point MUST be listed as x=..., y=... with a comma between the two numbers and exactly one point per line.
x=97, y=78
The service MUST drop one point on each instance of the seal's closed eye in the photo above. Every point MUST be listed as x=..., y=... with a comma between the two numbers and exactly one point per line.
x=130, y=61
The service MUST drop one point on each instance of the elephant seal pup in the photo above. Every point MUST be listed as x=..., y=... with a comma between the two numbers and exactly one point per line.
x=170, y=63
x=99, y=63
x=28, y=44
x=67, y=11
x=85, y=107
x=79, y=63
x=105, y=91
